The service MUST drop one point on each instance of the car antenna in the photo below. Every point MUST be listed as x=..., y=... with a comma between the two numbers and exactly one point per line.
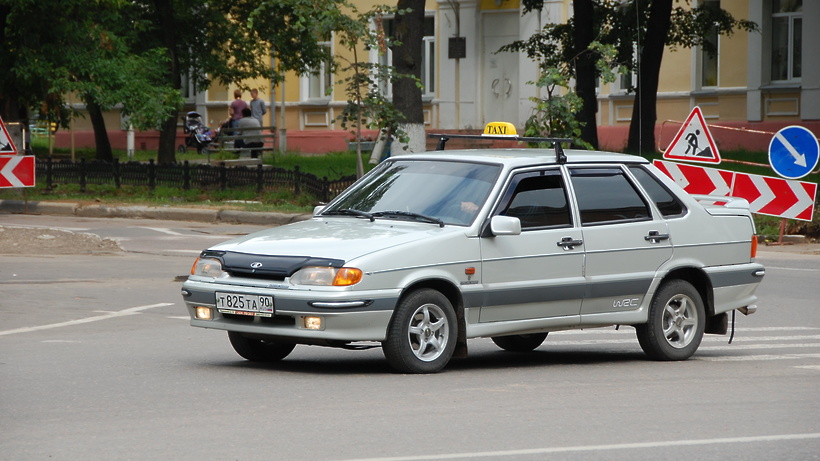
x=505, y=131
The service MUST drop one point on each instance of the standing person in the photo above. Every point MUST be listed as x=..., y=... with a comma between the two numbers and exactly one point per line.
x=257, y=106
x=235, y=110
x=251, y=133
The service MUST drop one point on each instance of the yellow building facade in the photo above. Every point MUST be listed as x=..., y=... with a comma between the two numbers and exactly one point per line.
x=759, y=81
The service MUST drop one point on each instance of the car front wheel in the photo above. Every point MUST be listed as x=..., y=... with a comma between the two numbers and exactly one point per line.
x=676, y=322
x=422, y=334
x=259, y=350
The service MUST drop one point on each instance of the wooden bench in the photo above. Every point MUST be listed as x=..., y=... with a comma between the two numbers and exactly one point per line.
x=268, y=137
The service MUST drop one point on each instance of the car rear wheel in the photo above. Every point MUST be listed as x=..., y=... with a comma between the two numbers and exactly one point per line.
x=259, y=350
x=519, y=343
x=422, y=334
x=676, y=322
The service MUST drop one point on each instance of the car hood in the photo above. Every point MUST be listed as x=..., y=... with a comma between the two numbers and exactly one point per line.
x=339, y=238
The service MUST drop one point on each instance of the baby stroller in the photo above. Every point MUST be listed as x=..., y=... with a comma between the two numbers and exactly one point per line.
x=199, y=135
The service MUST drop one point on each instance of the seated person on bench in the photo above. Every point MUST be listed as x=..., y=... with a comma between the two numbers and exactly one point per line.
x=251, y=133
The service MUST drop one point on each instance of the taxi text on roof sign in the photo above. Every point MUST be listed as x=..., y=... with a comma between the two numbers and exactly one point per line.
x=500, y=129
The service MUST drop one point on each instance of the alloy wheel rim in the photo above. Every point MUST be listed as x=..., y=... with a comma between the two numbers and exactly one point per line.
x=680, y=320
x=428, y=332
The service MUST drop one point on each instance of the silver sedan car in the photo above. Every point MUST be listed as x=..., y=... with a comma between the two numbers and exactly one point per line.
x=430, y=250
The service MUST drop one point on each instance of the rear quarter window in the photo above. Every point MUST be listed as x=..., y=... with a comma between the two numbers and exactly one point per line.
x=666, y=201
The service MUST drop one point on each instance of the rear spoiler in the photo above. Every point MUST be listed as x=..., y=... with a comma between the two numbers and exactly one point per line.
x=722, y=200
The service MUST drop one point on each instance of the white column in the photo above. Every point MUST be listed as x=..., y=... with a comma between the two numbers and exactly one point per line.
x=810, y=80
x=754, y=71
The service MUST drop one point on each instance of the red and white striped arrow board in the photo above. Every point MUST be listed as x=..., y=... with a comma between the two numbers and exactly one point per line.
x=17, y=170
x=766, y=194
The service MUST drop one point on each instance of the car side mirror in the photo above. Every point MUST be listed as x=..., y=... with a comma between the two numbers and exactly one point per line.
x=505, y=225
x=318, y=209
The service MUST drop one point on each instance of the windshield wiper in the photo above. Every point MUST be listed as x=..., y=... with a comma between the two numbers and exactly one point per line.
x=410, y=214
x=350, y=212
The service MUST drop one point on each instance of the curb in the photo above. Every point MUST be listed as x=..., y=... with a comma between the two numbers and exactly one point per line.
x=148, y=212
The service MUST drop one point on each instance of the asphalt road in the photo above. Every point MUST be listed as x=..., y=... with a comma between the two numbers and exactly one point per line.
x=97, y=361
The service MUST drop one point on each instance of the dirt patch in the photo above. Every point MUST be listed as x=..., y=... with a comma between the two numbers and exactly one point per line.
x=35, y=241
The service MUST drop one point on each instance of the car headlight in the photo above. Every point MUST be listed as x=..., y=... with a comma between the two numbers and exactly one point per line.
x=207, y=267
x=327, y=276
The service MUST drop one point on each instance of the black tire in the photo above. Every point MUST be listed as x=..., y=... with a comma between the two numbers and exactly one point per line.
x=259, y=350
x=422, y=335
x=182, y=148
x=519, y=343
x=676, y=322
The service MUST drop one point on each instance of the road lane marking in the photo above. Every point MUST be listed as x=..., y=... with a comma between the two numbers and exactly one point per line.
x=752, y=358
x=587, y=448
x=97, y=318
x=739, y=342
x=799, y=269
x=603, y=331
x=162, y=230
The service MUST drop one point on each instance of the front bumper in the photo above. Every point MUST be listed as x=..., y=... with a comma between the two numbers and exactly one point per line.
x=347, y=316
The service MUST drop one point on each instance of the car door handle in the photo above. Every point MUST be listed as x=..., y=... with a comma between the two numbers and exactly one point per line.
x=655, y=237
x=568, y=243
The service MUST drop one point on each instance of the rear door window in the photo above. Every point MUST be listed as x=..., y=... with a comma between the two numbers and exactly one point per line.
x=605, y=195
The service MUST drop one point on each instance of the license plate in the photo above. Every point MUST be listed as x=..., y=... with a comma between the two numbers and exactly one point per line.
x=241, y=304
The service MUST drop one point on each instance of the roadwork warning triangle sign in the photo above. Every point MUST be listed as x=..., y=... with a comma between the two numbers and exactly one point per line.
x=694, y=142
x=6, y=144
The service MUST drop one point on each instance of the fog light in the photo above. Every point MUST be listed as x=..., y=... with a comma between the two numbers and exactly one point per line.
x=313, y=323
x=203, y=313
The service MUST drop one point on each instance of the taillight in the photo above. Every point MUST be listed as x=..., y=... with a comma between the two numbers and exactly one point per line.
x=754, y=246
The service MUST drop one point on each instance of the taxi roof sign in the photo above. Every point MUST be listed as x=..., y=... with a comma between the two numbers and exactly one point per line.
x=501, y=129
x=505, y=131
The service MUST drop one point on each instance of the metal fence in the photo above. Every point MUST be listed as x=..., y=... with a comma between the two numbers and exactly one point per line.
x=186, y=176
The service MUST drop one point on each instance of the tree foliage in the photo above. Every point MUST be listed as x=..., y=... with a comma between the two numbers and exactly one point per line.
x=367, y=104
x=629, y=27
x=141, y=54
x=56, y=49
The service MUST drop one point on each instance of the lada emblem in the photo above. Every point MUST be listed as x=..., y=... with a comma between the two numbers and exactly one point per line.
x=256, y=265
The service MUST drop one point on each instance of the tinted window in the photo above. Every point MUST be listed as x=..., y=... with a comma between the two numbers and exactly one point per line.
x=539, y=200
x=665, y=200
x=605, y=195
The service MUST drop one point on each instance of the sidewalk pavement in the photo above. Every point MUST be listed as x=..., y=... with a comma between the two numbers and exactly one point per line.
x=210, y=215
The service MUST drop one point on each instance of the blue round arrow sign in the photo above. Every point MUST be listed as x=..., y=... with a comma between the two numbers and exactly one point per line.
x=793, y=152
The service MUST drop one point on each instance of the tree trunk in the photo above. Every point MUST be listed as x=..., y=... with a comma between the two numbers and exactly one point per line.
x=103, y=144
x=407, y=59
x=168, y=130
x=583, y=35
x=644, y=111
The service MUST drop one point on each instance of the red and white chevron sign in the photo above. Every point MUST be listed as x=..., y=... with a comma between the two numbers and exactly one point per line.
x=17, y=171
x=766, y=195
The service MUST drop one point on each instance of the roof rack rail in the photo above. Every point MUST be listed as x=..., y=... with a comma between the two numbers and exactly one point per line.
x=504, y=131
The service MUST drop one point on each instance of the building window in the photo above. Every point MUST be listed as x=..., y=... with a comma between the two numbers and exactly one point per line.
x=317, y=84
x=428, y=56
x=709, y=60
x=787, y=43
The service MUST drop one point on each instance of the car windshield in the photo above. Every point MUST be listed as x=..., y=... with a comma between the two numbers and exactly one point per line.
x=420, y=190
